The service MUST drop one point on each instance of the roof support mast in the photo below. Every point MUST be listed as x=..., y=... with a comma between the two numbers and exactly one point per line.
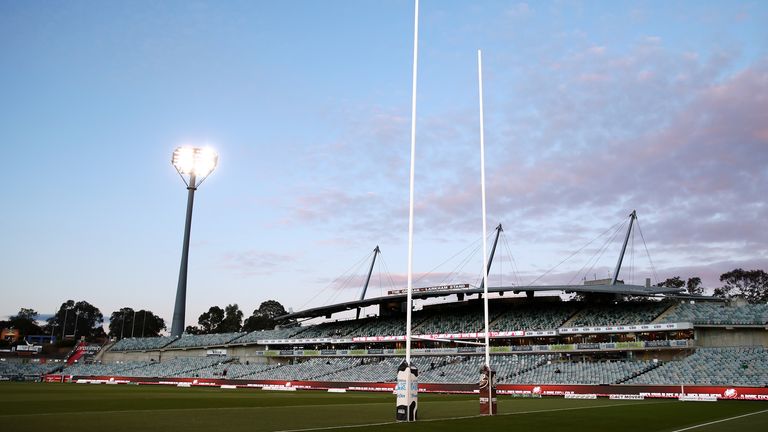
x=376, y=251
x=499, y=229
x=632, y=218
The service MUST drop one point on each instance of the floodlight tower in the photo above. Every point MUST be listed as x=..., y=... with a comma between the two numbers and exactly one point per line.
x=194, y=165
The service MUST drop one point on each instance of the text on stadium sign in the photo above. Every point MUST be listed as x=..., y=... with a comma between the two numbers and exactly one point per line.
x=429, y=289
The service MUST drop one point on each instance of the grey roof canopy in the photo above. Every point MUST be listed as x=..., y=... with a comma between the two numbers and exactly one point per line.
x=607, y=288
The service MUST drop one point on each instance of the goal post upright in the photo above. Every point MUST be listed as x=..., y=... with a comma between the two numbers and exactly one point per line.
x=407, y=386
x=487, y=376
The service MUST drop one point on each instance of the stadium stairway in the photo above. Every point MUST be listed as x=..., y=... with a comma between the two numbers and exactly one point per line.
x=100, y=355
x=637, y=374
x=668, y=311
x=538, y=364
x=249, y=372
x=573, y=318
x=190, y=372
x=319, y=377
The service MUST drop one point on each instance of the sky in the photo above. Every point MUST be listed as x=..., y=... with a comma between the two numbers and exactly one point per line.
x=592, y=110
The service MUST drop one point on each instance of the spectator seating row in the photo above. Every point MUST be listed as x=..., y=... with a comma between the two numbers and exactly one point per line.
x=11, y=369
x=204, y=340
x=607, y=372
x=744, y=366
x=619, y=314
x=142, y=344
x=719, y=314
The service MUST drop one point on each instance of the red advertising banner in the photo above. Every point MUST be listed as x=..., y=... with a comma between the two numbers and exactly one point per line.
x=631, y=391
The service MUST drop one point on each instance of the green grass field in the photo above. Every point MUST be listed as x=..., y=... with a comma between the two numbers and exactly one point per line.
x=83, y=407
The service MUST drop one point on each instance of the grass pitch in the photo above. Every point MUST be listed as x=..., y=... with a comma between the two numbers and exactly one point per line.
x=37, y=406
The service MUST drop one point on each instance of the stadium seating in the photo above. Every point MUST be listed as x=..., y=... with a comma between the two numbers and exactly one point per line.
x=247, y=371
x=369, y=370
x=707, y=366
x=11, y=369
x=105, y=369
x=258, y=335
x=142, y=344
x=719, y=314
x=314, y=368
x=205, y=340
x=747, y=366
x=384, y=326
x=607, y=372
x=336, y=329
x=619, y=314
x=547, y=316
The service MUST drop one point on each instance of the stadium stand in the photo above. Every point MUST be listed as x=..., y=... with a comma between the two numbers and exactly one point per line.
x=142, y=344
x=747, y=366
x=608, y=372
x=384, y=326
x=205, y=340
x=370, y=370
x=18, y=369
x=105, y=369
x=336, y=329
x=248, y=371
x=258, y=335
x=458, y=321
x=623, y=314
x=178, y=367
x=534, y=316
x=599, y=356
x=314, y=368
x=719, y=314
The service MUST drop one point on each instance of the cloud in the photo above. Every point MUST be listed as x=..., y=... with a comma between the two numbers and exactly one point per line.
x=519, y=10
x=255, y=263
x=679, y=136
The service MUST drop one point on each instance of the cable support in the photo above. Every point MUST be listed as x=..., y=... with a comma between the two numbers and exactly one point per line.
x=653, y=268
x=574, y=253
x=353, y=267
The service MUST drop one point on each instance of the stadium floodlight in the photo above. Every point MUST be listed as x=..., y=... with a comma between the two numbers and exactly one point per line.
x=194, y=165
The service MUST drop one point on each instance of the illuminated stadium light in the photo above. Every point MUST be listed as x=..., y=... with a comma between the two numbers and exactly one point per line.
x=194, y=165
x=195, y=161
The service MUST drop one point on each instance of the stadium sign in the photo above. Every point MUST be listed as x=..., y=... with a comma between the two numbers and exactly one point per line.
x=626, y=328
x=429, y=289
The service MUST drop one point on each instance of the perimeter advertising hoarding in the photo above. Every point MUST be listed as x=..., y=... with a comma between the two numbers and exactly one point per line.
x=721, y=392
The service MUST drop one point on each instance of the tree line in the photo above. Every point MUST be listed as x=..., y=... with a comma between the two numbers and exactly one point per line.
x=750, y=284
x=230, y=319
x=74, y=320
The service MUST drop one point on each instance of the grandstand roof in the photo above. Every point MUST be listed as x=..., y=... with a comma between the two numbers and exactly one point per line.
x=619, y=289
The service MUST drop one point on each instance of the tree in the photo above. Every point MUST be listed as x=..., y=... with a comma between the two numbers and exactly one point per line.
x=233, y=319
x=751, y=284
x=129, y=323
x=210, y=321
x=264, y=318
x=272, y=309
x=25, y=322
x=78, y=319
x=673, y=282
x=257, y=321
x=693, y=286
x=193, y=330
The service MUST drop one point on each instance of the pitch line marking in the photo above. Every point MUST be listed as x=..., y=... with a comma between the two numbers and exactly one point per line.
x=721, y=420
x=466, y=417
x=160, y=410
